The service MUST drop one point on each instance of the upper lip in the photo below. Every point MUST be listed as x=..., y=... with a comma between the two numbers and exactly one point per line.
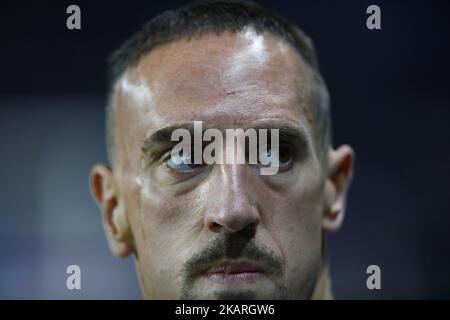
x=232, y=267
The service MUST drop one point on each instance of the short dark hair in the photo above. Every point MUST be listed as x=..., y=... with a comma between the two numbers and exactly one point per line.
x=217, y=16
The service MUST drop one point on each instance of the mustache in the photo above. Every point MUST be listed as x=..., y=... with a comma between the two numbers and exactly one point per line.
x=232, y=246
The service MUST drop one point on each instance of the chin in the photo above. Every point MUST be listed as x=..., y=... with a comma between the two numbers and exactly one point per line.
x=252, y=288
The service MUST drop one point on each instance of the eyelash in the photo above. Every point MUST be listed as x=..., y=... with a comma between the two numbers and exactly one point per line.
x=167, y=155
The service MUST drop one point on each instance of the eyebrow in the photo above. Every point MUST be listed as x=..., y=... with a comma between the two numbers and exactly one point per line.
x=286, y=131
x=160, y=140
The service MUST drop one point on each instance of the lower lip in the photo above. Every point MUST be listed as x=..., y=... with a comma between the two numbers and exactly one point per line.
x=247, y=277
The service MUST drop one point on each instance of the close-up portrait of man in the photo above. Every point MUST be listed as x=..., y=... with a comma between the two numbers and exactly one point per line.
x=221, y=230
x=270, y=150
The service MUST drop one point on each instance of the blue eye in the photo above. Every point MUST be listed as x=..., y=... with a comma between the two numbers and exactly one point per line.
x=286, y=155
x=182, y=163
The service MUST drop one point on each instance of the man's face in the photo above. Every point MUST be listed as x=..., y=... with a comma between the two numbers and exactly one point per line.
x=224, y=230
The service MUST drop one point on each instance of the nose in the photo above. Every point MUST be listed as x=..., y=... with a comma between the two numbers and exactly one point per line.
x=233, y=207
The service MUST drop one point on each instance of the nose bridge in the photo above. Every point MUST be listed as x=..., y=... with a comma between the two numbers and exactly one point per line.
x=235, y=182
x=235, y=208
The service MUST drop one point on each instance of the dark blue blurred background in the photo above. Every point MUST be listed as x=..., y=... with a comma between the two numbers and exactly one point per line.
x=390, y=101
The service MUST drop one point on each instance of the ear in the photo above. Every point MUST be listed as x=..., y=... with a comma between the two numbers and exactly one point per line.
x=115, y=221
x=340, y=173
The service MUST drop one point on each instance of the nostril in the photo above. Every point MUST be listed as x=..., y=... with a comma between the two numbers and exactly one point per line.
x=250, y=231
x=241, y=218
x=215, y=227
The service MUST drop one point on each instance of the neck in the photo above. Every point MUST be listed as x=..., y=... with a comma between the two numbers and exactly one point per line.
x=322, y=289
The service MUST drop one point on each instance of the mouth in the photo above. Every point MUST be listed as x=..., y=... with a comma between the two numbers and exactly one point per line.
x=233, y=273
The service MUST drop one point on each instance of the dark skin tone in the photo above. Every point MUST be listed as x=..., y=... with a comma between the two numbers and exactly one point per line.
x=183, y=228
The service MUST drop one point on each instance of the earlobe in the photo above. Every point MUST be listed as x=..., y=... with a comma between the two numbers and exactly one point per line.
x=115, y=222
x=340, y=175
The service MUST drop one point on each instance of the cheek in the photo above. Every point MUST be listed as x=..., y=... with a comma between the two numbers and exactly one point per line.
x=296, y=224
x=166, y=229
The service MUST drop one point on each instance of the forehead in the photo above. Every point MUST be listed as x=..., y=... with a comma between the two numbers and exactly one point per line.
x=231, y=79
